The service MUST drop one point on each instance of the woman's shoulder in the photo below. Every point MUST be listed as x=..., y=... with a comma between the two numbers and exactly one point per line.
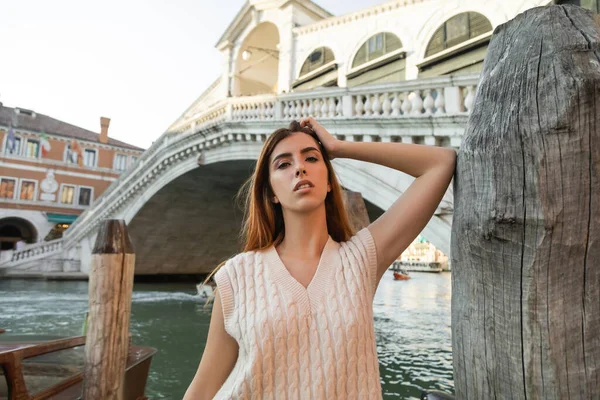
x=361, y=238
x=241, y=261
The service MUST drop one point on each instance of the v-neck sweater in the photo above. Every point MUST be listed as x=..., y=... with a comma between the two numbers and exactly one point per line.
x=296, y=342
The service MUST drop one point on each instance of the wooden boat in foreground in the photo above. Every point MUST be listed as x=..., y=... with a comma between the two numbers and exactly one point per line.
x=43, y=368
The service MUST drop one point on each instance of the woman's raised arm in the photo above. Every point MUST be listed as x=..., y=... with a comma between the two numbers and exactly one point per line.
x=432, y=167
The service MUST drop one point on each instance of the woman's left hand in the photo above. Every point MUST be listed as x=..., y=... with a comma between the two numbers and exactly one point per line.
x=328, y=141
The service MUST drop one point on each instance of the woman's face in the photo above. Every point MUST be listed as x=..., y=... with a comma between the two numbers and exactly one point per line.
x=298, y=174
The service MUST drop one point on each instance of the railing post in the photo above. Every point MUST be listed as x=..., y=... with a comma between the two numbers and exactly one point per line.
x=110, y=289
x=278, y=110
x=453, y=99
x=347, y=106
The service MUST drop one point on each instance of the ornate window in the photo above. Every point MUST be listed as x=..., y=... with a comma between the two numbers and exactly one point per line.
x=316, y=59
x=375, y=47
x=28, y=189
x=120, y=162
x=7, y=187
x=85, y=195
x=457, y=30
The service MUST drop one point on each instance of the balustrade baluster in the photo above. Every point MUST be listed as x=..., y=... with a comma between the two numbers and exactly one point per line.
x=339, y=111
x=440, y=103
x=428, y=103
x=376, y=106
x=386, y=106
x=324, y=108
x=359, y=107
x=470, y=98
x=417, y=103
x=368, y=107
x=331, y=107
x=311, y=108
x=406, y=104
x=395, y=105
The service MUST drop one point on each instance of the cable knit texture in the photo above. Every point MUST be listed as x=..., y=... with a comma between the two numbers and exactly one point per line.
x=316, y=342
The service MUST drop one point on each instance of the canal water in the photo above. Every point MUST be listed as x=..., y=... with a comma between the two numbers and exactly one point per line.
x=412, y=326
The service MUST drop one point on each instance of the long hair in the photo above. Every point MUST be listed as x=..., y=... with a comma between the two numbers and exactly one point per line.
x=263, y=220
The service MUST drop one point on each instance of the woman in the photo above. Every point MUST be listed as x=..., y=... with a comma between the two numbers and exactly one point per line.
x=292, y=316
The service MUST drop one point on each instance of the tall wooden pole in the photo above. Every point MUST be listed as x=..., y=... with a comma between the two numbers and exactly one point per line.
x=110, y=290
x=526, y=229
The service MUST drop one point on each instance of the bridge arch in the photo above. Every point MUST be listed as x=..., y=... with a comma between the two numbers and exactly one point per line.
x=233, y=163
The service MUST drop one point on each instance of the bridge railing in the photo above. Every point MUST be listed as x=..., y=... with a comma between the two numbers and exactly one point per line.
x=424, y=98
x=33, y=252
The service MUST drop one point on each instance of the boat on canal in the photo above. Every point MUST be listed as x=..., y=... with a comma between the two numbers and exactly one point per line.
x=52, y=368
x=401, y=275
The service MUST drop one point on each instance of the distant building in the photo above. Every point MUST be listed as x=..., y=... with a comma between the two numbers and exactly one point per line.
x=50, y=172
x=422, y=251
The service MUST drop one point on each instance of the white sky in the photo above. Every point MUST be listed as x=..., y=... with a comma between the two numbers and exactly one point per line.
x=140, y=63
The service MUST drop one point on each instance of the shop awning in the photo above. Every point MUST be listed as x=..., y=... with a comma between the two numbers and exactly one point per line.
x=61, y=218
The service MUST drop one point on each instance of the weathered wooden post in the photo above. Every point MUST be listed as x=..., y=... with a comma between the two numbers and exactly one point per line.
x=110, y=289
x=526, y=230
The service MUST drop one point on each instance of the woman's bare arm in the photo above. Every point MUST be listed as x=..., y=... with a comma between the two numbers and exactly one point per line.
x=405, y=219
x=220, y=355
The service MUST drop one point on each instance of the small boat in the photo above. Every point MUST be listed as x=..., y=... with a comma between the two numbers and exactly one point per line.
x=204, y=291
x=52, y=368
x=401, y=275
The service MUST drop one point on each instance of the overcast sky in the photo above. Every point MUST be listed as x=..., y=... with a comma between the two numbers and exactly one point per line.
x=140, y=63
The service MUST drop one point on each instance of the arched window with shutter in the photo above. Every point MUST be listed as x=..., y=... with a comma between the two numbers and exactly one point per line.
x=379, y=59
x=458, y=46
x=319, y=69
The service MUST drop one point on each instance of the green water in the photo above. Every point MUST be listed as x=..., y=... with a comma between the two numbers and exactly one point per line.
x=412, y=326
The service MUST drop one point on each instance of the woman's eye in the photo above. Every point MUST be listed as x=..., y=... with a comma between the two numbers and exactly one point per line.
x=312, y=159
x=283, y=165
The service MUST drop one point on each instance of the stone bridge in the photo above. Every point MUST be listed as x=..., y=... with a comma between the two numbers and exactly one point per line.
x=179, y=198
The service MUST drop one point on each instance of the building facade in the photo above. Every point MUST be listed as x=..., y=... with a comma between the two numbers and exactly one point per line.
x=50, y=172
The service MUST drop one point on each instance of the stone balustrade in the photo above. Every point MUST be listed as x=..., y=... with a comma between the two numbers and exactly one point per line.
x=33, y=252
x=425, y=98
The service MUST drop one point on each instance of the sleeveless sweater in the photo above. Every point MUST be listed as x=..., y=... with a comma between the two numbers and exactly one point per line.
x=294, y=342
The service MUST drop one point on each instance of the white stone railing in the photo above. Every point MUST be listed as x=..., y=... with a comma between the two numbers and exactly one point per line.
x=33, y=252
x=252, y=108
x=434, y=97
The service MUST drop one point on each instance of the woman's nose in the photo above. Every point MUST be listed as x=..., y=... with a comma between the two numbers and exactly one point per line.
x=300, y=170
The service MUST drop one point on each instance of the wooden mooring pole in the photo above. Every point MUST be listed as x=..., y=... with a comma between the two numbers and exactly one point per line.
x=526, y=229
x=110, y=290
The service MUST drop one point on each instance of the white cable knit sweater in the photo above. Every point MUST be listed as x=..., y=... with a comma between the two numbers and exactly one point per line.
x=294, y=342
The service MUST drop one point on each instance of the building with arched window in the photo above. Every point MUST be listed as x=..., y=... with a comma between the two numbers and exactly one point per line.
x=50, y=172
x=275, y=47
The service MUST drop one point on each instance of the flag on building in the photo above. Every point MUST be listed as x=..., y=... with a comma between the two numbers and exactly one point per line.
x=10, y=141
x=45, y=144
x=76, y=153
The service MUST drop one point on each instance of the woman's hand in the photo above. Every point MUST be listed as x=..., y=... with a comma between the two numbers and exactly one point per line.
x=328, y=141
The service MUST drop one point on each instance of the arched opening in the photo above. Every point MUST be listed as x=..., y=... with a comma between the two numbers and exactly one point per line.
x=380, y=59
x=257, y=65
x=191, y=224
x=318, y=70
x=458, y=46
x=15, y=231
